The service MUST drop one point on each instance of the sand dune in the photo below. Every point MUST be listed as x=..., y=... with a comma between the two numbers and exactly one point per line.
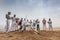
x=43, y=35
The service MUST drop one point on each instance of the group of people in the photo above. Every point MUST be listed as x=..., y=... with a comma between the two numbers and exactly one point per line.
x=12, y=24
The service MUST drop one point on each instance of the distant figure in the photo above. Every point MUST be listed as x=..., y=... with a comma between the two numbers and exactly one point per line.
x=27, y=25
x=23, y=24
x=50, y=24
x=8, y=18
x=20, y=23
x=16, y=25
x=38, y=24
x=44, y=24
x=34, y=24
x=13, y=28
x=31, y=22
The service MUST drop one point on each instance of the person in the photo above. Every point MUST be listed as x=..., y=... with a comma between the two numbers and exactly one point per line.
x=13, y=23
x=8, y=18
x=20, y=23
x=37, y=24
x=34, y=24
x=16, y=24
x=44, y=24
x=31, y=22
x=50, y=24
x=27, y=25
x=23, y=24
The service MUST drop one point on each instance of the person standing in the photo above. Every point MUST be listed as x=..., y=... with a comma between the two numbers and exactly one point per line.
x=20, y=23
x=37, y=24
x=8, y=18
x=31, y=22
x=44, y=24
x=13, y=23
x=50, y=24
x=27, y=25
x=23, y=24
x=16, y=24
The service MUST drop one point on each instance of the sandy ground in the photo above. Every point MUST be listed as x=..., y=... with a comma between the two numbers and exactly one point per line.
x=43, y=35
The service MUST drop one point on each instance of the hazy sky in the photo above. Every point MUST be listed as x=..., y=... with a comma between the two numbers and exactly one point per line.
x=33, y=9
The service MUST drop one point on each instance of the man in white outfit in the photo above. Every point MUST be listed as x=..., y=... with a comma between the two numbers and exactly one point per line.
x=27, y=26
x=34, y=24
x=44, y=24
x=13, y=23
x=50, y=25
x=8, y=18
x=23, y=25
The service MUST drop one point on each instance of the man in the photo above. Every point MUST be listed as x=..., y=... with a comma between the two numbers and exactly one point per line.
x=7, y=21
x=50, y=24
x=23, y=24
x=37, y=24
x=20, y=23
x=34, y=24
x=31, y=22
x=27, y=25
x=13, y=23
x=16, y=24
x=44, y=24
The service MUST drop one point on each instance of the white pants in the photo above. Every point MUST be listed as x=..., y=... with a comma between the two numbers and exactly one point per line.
x=50, y=27
x=23, y=27
x=44, y=26
x=13, y=26
x=8, y=25
x=16, y=27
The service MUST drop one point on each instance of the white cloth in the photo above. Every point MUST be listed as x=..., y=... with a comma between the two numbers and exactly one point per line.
x=44, y=26
x=23, y=25
x=28, y=27
x=14, y=25
x=8, y=25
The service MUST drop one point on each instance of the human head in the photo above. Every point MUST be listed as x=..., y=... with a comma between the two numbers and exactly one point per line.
x=49, y=19
x=14, y=15
x=21, y=18
x=43, y=18
x=9, y=13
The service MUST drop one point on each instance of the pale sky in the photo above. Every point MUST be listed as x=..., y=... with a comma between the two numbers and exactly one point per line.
x=33, y=9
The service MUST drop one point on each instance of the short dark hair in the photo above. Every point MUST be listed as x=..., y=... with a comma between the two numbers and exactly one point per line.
x=14, y=15
x=9, y=13
x=49, y=19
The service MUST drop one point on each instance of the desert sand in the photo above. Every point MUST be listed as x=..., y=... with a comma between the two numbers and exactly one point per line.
x=43, y=35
